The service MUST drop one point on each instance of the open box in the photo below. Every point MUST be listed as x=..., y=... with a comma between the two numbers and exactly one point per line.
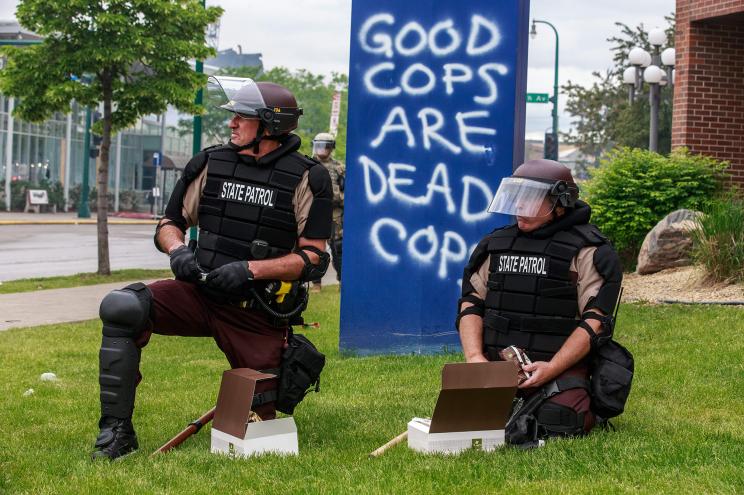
x=471, y=411
x=232, y=434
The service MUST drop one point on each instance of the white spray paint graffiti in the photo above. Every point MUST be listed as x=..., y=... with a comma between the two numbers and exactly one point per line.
x=436, y=136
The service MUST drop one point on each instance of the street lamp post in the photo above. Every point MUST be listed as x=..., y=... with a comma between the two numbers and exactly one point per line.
x=533, y=34
x=645, y=68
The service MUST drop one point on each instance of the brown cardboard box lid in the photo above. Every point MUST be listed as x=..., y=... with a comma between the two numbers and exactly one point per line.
x=475, y=396
x=235, y=399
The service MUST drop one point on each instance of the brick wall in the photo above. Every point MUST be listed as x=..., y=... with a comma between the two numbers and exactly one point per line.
x=709, y=81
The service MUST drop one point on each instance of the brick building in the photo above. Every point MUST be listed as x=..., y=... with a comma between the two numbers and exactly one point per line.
x=709, y=81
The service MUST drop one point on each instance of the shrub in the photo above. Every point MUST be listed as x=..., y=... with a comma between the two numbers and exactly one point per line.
x=719, y=240
x=633, y=189
x=18, y=194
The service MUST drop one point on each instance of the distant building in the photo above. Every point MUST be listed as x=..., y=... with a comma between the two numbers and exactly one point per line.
x=709, y=82
x=231, y=58
x=11, y=30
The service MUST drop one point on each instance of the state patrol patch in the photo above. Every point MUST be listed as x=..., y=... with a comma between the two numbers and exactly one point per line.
x=523, y=264
x=247, y=194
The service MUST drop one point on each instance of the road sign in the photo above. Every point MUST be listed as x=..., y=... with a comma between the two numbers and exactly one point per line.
x=538, y=98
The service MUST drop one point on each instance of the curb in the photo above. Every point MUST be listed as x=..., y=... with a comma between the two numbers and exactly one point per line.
x=77, y=222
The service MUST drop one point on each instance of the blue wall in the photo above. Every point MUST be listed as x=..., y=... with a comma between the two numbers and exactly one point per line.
x=436, y=119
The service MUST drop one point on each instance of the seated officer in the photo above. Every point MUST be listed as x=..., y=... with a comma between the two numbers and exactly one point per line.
x=264, y=216
x=547, y=284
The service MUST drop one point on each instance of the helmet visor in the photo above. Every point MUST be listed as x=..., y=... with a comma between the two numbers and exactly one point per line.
x=523, y=197
x=322, y=146
x=239, y=95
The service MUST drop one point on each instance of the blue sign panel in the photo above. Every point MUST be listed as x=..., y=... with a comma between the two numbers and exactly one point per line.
x=436, y=119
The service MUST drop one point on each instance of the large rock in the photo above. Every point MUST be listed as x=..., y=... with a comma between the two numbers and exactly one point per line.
x=669, y=243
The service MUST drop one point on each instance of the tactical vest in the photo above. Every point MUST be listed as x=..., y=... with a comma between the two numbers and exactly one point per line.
x=246, y=210
x=532, y=300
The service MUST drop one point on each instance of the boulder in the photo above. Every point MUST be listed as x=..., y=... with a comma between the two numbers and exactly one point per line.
x=669, y=243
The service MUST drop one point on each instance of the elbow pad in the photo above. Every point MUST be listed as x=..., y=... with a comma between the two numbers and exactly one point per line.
x=312, y=271
x=477, y=308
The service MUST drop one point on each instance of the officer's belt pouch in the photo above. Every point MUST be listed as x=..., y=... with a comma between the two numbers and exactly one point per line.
x=300, y=372
x=235, y=430
x=471, y=411
x=611, y=379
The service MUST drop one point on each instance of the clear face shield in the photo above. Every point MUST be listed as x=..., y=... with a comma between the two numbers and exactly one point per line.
x=523, y=197
x=323, y=148
x=239, y=95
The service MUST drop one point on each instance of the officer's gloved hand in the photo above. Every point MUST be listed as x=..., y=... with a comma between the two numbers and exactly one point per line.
x=183, y=264
x=233, y=277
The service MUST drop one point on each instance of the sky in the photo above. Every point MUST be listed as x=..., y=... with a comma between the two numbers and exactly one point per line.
x=314, y=35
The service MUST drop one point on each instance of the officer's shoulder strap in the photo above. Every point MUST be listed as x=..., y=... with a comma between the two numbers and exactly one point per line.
x=591, y=234
x=197, y=163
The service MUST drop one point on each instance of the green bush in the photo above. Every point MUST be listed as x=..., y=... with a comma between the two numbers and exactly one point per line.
x=633, y=189
x=719, y=240
x=18, y=194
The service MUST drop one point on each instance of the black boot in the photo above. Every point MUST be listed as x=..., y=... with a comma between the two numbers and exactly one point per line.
x=116, y=439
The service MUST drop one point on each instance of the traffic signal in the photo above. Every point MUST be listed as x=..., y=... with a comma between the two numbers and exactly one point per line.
x=550, y=150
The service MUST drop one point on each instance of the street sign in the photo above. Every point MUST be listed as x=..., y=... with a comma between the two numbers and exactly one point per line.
x=156, y=159
x=538, y=98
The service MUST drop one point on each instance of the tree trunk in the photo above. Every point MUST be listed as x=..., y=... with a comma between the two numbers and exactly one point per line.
x=104, y=264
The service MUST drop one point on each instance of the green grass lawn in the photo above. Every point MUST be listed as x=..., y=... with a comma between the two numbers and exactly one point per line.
x=64, y=281
x=683, y=431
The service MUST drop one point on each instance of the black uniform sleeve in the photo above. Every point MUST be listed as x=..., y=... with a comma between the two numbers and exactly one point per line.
x=608, y=265
x=174, y=208
x=320, y=217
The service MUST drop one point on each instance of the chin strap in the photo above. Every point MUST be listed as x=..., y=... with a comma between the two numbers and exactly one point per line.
x=257, y=140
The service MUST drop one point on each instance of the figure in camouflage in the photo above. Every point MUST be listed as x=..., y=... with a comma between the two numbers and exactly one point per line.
x=264, y=217
x=323, y=146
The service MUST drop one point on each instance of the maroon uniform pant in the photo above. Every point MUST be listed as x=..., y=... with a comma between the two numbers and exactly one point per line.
x=576, y=399
x=246, y=336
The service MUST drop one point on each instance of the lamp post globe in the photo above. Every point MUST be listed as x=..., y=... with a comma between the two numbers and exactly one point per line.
x=657, y=37
x=653, y=74
x=668, y=57
x=636, y=56
x=629, y=75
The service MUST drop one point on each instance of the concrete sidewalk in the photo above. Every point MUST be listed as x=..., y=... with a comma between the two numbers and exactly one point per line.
x=43, y=307
x=71, y=218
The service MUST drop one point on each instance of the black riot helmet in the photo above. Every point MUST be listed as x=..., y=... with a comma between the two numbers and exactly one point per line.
x=272, y=104
x=532, y=185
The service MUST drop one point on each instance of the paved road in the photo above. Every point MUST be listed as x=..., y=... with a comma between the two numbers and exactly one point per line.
x=46, y=250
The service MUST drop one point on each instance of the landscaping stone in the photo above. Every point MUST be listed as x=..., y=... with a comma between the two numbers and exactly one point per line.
x=669, y=243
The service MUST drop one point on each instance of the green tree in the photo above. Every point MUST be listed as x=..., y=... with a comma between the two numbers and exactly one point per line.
x=313, y=92
x=602, y=117
x=131, y=55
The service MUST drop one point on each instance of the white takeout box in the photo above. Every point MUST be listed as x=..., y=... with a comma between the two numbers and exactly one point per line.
x=233, y=434
x=278, y=436
x=454, y=442
x=471, y=411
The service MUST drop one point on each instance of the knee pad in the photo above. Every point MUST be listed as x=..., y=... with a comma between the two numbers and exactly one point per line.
x=125, y=312
x=558, y=420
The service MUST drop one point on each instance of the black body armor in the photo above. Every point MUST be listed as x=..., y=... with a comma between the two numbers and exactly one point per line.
x=246, y=209
x=532, y=299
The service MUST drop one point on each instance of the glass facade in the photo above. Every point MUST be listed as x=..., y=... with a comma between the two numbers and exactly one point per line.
x=39, y=151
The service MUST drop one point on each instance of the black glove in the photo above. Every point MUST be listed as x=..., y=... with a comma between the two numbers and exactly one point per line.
x=183, y=264
x=233, y=277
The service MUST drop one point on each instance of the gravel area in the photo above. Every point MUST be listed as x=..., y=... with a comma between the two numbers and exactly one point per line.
x=685, y=283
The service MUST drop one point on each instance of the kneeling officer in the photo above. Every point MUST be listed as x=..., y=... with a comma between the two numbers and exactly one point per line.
x=547, y=284
x=264, y=216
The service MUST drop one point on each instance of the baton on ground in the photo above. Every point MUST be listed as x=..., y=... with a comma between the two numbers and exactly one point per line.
x=191, y=429
x=392, y=443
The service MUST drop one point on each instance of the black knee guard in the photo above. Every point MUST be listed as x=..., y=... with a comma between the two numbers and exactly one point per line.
x=558, y=420
x=125, y=314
